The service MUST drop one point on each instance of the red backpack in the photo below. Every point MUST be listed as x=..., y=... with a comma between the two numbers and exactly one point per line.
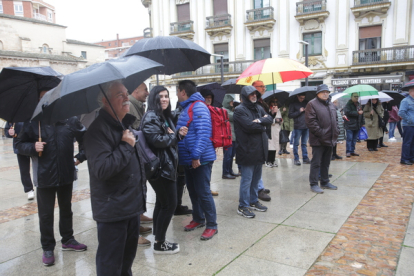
x=221, y=129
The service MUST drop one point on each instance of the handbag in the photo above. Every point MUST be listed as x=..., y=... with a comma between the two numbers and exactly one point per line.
x=381, y=122
x=283, y=136
x=151, y=161
x=363, y=134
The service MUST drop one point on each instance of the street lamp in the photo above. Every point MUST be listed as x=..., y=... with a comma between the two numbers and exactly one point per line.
x=306, y=57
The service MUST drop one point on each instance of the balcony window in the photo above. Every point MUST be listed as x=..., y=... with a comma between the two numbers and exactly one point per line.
x=220, y=7
x=83, y=54
x=183, y=12
x=315, y=43
x=262, y=13
x=370, y=38
x=18, y=8
x=49, y=17
x=222, y=49
x=261, y=48
x=45, y=49
x=257, y=4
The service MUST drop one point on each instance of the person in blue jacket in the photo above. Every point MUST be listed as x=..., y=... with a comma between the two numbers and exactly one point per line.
x=406, y=112
x=197, y=154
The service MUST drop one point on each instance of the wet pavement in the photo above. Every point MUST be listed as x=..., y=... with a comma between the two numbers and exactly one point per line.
x=366, y=227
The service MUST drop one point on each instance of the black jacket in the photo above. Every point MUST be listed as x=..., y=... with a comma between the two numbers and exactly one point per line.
x=162, y=143
x=17, y=129
x=116, y=174
x=298, y=116
x=321, y=119
x=252, y=140
x=56, y=165
x=355, y=120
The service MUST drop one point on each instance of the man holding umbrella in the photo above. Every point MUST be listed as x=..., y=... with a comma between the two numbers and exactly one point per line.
x=354, y=120
x=320, y=116
x=406, y=112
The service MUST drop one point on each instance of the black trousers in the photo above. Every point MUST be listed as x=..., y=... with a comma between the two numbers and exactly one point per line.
x=372, y=144
x=165, y=204
x=180, y=187
x=271, y=156
x=46, y=198
x=283, y=145
x=334, y=151
x=321, y=159
x=118, y=243
x=24, y=167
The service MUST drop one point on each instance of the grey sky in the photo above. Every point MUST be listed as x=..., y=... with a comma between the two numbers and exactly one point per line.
x=93, y=21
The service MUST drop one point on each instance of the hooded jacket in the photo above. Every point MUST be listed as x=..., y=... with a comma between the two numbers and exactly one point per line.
x=252, y=140
x=226, y=105
x=116, y=172
x=321, y=120
x=196, y=145
x=355, y=121
x=298, y=116
x=56, y=166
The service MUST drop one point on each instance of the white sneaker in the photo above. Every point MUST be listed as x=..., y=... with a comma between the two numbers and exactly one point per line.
x=269, y=165
x=392, y=139
x=291, y=146
x=30, y=195
x=275, y=164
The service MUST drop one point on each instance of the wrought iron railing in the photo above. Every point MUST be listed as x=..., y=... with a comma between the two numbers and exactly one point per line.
x=232, y=67
x=383, y=55
x=358, y=3
x=259, y=14
x=181, y=27
x=218, y=21
x=310, y=7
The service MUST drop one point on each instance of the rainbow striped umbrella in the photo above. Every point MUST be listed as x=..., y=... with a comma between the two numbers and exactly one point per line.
x=274, y=70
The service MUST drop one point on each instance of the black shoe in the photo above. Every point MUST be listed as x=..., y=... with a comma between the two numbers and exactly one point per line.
x=166, y=248
x=263, y=196
x=384, y=146
x=375, y=149
x=286, y=152
x=406, y=163
x=245, y=212
x=235, y=174
x=371, y=149
x=333, y=157
x=280, y=152
x=296, y=162
x=258, y=207
x=307, y=161
x=337, y=156
x=266, y=191
x=228, y=176
x=182, y=210
x=378, y=146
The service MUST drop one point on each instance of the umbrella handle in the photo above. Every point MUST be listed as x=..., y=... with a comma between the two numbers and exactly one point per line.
x=40, y=139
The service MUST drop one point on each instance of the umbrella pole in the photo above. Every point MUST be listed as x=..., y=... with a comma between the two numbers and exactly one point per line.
x=273, y=81
x=106, y=97
x=40, y=138
x=157, y=80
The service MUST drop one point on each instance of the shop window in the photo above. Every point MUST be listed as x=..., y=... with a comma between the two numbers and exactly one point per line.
x=315, y=43
x=261, y=48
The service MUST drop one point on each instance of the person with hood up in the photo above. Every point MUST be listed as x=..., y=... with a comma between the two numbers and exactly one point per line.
x=250, y=121
x=373, y=113
x=321, y=120
x=230, y=152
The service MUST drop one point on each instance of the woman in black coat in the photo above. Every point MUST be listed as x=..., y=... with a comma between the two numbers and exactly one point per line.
x=162, y=138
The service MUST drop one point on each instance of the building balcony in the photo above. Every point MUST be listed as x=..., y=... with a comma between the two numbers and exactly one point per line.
x=394, y=56
x=39, y=16
x=262, y=18
x=212, y=72
x=311, y=10
x=218, y=24
x=183, y=29
x=362, y=7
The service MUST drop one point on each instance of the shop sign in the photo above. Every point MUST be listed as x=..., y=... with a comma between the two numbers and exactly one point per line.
x=355, y=81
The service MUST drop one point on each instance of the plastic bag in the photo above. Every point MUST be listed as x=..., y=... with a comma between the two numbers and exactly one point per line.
x=363, y=134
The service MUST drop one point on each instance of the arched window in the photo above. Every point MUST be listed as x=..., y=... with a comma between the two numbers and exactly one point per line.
x=45, y=49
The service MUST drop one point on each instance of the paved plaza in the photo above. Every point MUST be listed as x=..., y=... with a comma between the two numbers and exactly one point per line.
x=366, y=227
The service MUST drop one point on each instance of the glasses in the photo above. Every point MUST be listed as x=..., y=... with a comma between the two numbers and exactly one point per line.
x=261, y=86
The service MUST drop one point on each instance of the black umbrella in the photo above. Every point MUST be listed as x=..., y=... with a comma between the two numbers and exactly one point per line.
x=408, y=85
x=78, y=92
x=176, y=54
x=20, y=88
x=397, y=97
x=231, y=86
x=309, y=90
x=280, y=95
x=217, y=90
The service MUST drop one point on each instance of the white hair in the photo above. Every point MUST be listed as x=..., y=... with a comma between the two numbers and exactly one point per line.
x=106, y=88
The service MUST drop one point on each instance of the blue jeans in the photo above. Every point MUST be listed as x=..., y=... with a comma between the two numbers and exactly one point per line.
x=392, y=129
x=198, y=185
x=303, y=135
x=249, y=184
x=261, y=185
x=292, y=138
x=228, y=155
x=407, y=151
x=351, y=138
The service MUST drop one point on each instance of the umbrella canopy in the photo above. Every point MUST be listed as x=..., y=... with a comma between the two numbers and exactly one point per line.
x=232, y=87
x=20, y=88
x=78, y=92
x=274, y=70
x=381, y=96
x=176, y=54
x=217, y=90
x=309, y=90
x=280, y=95
x=395, y=95
x=408, y=85
x=362, y=90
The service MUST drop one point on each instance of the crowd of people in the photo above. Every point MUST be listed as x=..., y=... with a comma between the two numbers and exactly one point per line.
x=180, y=138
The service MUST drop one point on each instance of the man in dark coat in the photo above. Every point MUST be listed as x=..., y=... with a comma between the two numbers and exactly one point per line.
x=250, y=121
x=321, y=119
x=11, y=131
x=300, y=131
x=117, y=182
x=353, y=122
x=53, y=175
